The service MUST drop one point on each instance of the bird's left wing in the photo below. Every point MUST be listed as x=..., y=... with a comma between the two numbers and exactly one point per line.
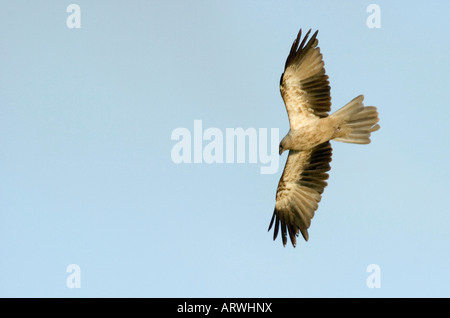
x=299, y=191
x=304, y=85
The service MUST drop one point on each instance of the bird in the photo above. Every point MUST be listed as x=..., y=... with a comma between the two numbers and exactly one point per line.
x=305, y=90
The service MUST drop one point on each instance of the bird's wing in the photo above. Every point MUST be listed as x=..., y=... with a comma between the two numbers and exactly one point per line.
x=299, y=191
x=304, y=85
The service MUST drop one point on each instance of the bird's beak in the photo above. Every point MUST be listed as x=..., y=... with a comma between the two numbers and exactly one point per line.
x=281, y=151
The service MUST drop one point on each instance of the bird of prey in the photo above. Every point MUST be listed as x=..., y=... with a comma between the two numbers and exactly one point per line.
x=305, y=90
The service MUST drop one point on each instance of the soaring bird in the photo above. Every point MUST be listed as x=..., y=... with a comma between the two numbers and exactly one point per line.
x=305, y=90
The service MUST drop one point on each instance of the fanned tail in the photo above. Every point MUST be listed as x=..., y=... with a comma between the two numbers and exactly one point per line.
x=356, y=122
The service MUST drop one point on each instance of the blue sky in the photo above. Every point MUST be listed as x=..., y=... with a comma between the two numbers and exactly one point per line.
x=87, y=178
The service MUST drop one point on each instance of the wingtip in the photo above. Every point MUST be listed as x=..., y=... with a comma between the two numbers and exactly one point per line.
x=309, y=31
x=286, y=230
x=305, y=234
x=271, y=222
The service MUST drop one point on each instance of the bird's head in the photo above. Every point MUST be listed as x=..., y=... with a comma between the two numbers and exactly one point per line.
x=282, y=147
x=285, y=144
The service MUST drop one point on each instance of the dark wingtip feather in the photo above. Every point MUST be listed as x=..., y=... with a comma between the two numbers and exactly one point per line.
x=304, y=39
x=297, y=48
x=292, y=235
x=275, y=221
x=277, y=225
x=285, y=228
x=271, y=222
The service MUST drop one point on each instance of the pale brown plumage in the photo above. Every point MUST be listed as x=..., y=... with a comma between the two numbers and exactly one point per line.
x=305, y=90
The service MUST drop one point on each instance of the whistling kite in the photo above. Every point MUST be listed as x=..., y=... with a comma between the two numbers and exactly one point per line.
x=305, y=90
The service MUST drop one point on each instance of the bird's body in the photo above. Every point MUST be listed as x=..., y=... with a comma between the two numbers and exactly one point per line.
x=305, y=90
x=311, y=132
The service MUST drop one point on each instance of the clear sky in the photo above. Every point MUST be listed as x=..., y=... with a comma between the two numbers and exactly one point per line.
x=87, y=177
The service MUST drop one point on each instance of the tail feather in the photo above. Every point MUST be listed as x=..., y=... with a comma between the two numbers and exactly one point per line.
x=356, y=122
